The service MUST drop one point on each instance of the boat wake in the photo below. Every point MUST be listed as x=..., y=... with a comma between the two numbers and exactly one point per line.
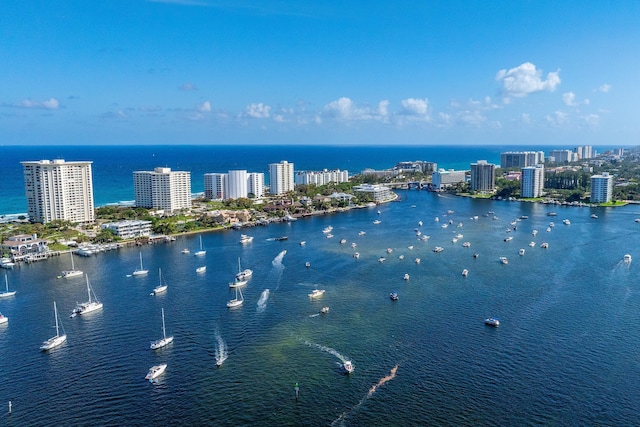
x=278, y=267
x=277, y=261
x=392, y=374
x=314, y=315
x=262, y=302
x=327, y=349
x=221, y=350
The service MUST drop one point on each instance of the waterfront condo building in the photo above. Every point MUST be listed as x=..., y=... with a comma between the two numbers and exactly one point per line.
x=163, y=189
x=601, y=188
x=521, y=159
x=233, y=185
x=215, y=185
x=281, y=177
x=59, y=190
x=255, y=184
x=442, y=179
x=483, y=177
x=322, y=177
x=532, y=181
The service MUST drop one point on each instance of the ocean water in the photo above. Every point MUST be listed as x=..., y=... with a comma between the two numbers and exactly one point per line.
x=113, y=166
x=564, y=354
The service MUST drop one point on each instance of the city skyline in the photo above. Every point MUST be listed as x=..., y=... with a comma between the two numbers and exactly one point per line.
x=413, y=73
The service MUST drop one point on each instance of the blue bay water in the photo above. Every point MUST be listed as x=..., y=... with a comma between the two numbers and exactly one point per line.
x=564, y=354
x=113, y=166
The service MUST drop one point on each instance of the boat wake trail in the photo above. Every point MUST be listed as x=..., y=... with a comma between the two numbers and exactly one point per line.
x=262, y=302
x=278, y=267
x=221, y=350
x=340, y=420
x=328, y=350
x=277, y=261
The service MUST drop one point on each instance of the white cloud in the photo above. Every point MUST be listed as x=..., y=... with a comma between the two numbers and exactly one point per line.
x=383, y=110
x=345, y=109
x=416, y=107
x=604, y=88
x=525, y=79
x=205, y=107
x=472, y=118
x=525, y=118
x=558, y=118
x=188, y=87
x=590, y=119
x=47, y=104
x=569, y=99
x=258, y=111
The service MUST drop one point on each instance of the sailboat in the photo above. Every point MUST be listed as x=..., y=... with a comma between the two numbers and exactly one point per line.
x=57, y=339
x=73, y=272
x=201, y=252
x=162, y=285
x=89, y=306
x=140, y=271
x=7, y=293
x=164, y=340
x=243, y=274
x=236, y=302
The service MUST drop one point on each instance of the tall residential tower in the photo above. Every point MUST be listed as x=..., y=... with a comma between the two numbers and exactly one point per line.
x=281, y=177
x=163, y=188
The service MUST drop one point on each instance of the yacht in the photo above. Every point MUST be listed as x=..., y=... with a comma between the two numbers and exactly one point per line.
x=89, y=306
x=7, y=293
x=327, y=229
x=165, y=340
x=316, y=293
x=162, y=285
x=140, y=271
x=201, y=269
x=238, y=282
x=521, y=252
x=492, y=321
x=627, y=258
x=3, y=319
x=244, y=239
x=465, y=272
x=438, y=249
x=504, y=260
x=544, y=245
x=57, y=339
x=243, y=274
x=67, y=274
x=201, y=251
x=7, y=263
x=324, y=310
x=236, y=302
x=155, y=371
x=348, y=367
x=393, y=296
x=406, y=276
x=185, y=251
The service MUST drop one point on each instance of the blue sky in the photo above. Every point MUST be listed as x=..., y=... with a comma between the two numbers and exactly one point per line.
x=319, y=72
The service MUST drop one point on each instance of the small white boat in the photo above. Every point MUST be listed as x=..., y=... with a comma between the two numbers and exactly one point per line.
x=393, y=296
x=57, y=339
x=329, y=236
x=307, y=264
x=454, y=240
x=377, y=221
x=532, y=244
x=410, y=247
x=552, y=224
x=406, y=276
x=237, y=301
x=362, y=233
x=201, y=269
x=508, y=239
x=420, y=223
x=243, y=274
x=424, y=237
x=67, y=274
x=185, y=251
x=165, y=340
x=534, y=232
x=417, y=260
x=302, y=243
x=381, y=259
x=343, y=241
x=316, y=293
x=7, y=263
x=162, y=285
x=466, y=245
x=544, y=245
x=89, y=306
x=521, y=252
x=201, y=251
x=566, y=222
x=594, y=216
x=244, y=239
x=140, y=271
x=492, y=321
x=504, y=260
x=389, y=250
x=327, y=229
x=356, y=255
x=3, y=319
x=238, y=282
x=401, y=257
x=348, y=367
x=465, y=272
x=438, y=249
x=627, y=258
x=155, y=372
x=354, y=244
x=7, y=293
x=324, y=310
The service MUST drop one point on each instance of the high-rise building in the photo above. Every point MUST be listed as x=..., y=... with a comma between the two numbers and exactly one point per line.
x=561, y=156
x=163, y=189
x=521, y=159
x=601, y=188
x=585, y=152
x=483, y=176
x=532, y=181
x=237, y=184
x=215, y=185
x=281, y=177
x=255, y=184
x=59, y=190
x=442, y=179
x=321, y=178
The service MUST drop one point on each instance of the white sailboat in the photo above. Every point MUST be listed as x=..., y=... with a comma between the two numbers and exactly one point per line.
x=57, y=339
x=236, y=302
x=7, y=293
x=164, y=340
x=243, y=274
x=140, y=271
x=89, y=306
x=201, y=252
x=162, y=285
x=73, y=272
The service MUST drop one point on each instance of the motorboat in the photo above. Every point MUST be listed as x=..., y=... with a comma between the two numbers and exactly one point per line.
x=508, y=239
x=162, y=285
x=316, y=293
x=3, y=319
x=532, y=244
x=329, y=236
x=343, y=241
x=521, y=252
x=382, y=259
x=356, y=255
x=465, y=272
x=244, y=239
x=417, y=260
x=185, y=251
x=627, y=258
x=290, y=218
x=393, y=296
x=534, y=232
x=424, y=237
x=401, y=257
x=475, y=254
x=238, y=282
x=438, y=249
x=354, y=245
x=552, y=213
x=155, y=372
x=57, y=339
x=278, y=239
x=237, y=301
x=492, y=321
x=140, y=271
x=389, y=250
x=201, y=269
x=7, y=263
x=377, y=221
x=165, y=340
x=544, y=245
x=7, y=293
x=348, y=367
x=552, y=224
x=504, y=260
x=410, y=247
x=454, y=240
x=307, y=264
x=566, y=222
x=466, y=245
x=89, y=306
x=594, y=216
x=406, y=276
x=324, y=310
x=420, y=223
x=327, y=229
x=362, y=233
x=303, y=242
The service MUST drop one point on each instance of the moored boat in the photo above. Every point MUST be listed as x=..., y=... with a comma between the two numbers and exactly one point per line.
x=492, y=321
x=155, y=372
x=316, y=293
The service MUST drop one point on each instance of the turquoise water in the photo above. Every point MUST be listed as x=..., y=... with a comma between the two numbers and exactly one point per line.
x=564, y=354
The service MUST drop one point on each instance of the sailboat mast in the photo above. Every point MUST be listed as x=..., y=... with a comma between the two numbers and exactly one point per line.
x=164, y=334
x=55, y=312
x=73, y=267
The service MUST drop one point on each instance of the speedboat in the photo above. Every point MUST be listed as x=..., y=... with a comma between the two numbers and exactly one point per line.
x=377, y=221
x=504, y=260
x=566, y=222
x=417, y=260
x=627, y=258
x=324, y=310
x=438, y=249
x=316, y=293
x=492, y=321
x=185, y=251
x=327, y=229
x=348, y=367
x=544, y=245
x=532, y=244
x=200, y=270
x=307, y=264
x=362, y=233
x=244, y=239
x=3, y=319
x=466, y=245
x=155, y=371
x=465, y=272
x=393, y=296
x=406, y=276
x=343, y=241
x=521, y=252
x=381, y=259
